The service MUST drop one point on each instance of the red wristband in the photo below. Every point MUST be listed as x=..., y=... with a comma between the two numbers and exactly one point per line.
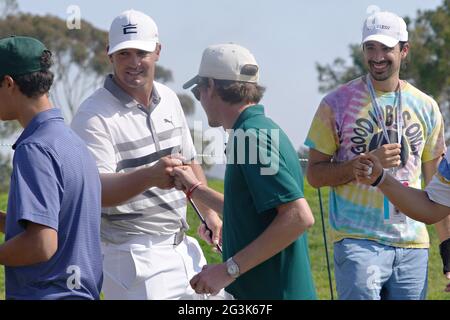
x=195, y=186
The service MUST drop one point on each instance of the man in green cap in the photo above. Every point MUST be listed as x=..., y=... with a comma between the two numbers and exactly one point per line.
x=52, y=225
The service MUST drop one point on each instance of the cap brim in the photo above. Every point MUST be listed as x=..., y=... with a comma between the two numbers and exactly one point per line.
x=191, y=82
x=386, y=40
x=148, y=46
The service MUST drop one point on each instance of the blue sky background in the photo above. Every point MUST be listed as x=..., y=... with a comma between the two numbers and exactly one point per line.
x=287, y=38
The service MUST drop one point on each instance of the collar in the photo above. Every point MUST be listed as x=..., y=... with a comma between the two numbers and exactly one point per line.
x=250, y=112
x=127, y=100
x=37, y=120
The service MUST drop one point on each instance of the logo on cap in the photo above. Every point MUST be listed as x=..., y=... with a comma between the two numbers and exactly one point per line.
x=133, y=30
x=129, y=28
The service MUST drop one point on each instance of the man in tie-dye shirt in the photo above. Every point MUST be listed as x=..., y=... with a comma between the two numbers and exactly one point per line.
x=379, y=253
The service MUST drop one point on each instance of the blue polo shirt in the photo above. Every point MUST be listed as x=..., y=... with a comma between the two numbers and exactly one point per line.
x=55, y=182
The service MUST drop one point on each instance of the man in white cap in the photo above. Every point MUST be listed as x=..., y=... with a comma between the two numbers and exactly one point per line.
x=132, y=125
x=379, y=253
x=265, y=250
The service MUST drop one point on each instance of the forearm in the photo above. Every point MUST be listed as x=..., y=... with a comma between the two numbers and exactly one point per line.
x=331, y=174
x=413, y=202
x=24, y=250
x=204, y=208
x=118, y=188
x=209, y=198
x=283, y=230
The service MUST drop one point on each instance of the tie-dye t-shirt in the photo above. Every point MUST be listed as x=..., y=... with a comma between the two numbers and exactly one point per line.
x=345, y=126
x=439, y=187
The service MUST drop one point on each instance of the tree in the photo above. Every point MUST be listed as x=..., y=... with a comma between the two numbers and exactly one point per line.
x=428, y=64
x=8, y=7
x=5, y=173
x=80, y=56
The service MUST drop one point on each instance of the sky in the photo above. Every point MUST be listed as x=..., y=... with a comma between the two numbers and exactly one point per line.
x=287, y=37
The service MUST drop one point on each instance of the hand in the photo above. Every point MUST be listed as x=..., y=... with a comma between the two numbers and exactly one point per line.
x=367, y=168
x=389, y=155
x=161, y=172
x=211, y=279
x=184, y=177
x=215, y=224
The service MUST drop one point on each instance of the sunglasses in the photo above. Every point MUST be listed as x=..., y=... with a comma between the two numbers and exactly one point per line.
x=196, y=90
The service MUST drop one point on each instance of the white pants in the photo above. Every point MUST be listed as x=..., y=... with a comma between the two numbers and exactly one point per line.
x=152, y=268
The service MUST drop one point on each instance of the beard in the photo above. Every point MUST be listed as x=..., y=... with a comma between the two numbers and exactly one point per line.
x=380, y=74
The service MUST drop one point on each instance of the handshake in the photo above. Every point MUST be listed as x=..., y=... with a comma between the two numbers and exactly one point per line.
x=173, y=172
x=368, y=168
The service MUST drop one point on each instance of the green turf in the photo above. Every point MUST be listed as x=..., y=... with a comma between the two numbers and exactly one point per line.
x=316, y=247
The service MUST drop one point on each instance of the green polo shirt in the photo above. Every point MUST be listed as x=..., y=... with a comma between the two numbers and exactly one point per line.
x=262, y=173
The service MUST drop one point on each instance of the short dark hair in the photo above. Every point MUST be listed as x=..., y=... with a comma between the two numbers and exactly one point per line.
x=236, y=91
x=402, y=44
x=38, y=83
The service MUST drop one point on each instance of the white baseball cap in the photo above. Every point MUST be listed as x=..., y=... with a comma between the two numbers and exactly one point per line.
x=385, y=27
x=226, y=62
x=133, y=29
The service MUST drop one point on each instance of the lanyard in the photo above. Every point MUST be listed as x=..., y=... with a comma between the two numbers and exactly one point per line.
x=379, y=113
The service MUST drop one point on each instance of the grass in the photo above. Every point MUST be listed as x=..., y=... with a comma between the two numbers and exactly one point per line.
x=436, y=281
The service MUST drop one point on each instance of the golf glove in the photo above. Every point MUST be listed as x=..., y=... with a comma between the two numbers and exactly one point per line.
x=444, y=249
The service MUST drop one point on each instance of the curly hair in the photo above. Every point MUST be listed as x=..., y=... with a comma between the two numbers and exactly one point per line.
x=38, y=83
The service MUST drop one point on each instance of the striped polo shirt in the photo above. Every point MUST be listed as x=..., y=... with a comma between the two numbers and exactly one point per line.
x=123, y=136
x=438, y=189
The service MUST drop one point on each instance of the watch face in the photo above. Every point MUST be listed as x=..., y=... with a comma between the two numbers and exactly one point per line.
x=232, y=268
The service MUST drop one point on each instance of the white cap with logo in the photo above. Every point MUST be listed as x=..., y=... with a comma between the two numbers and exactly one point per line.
x=385, y=27
x=133, y=30
x=226, y=62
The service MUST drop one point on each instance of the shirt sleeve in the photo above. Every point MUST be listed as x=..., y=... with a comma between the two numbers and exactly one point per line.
x=270, y=181
x=322, y=135
x=38, y=188
x=435, y=142
x=94, y=132
x=438, y=189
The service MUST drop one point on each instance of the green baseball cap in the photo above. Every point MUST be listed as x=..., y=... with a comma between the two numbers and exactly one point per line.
x=20, y=55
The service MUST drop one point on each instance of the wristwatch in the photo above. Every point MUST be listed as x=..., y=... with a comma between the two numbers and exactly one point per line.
x=232, y=268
